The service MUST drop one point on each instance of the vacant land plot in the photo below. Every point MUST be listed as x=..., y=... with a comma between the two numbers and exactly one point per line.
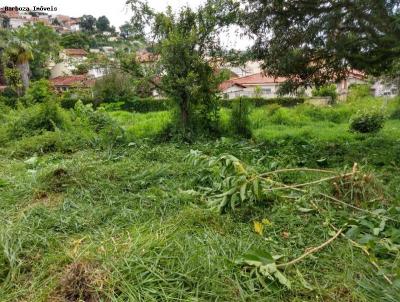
x=95, y=208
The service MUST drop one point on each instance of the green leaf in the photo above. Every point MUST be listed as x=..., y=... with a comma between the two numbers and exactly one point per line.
x=304, y=210
x=256, y=188
x=282, y=279
x=259, y=255
x=243, y=191
x=353, y=232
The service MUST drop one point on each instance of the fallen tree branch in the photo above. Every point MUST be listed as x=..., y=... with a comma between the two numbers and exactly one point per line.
x=311, y=251
x=363, y=248
x=310, y=183
x=297, y=170
x=354, y=207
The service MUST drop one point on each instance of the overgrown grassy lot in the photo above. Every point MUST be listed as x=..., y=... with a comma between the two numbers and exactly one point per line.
x=95, y=208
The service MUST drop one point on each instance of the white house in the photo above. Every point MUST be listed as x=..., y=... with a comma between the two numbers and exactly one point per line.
x=97, y=72
x=258, y=84
x=252, y=85
x=387, y=89
x=71, y=58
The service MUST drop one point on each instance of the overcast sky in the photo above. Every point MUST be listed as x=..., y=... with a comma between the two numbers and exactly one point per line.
x=115, y=10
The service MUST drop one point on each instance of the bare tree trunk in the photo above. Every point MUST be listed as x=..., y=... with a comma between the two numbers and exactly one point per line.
x=25, y=71
x=184, y=114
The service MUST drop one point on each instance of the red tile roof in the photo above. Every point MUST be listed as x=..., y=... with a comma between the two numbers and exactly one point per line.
x=10, y=13
x=75, y=52
x=251, y=80
x=258, y=79
x=74, y=80
x=62, y=18
x=227, y=84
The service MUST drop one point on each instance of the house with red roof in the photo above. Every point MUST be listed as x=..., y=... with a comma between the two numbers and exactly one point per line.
x=251, y=85
x=64, y=83
x=267, y=87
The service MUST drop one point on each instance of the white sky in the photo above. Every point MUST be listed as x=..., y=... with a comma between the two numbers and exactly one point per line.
x=115, y=10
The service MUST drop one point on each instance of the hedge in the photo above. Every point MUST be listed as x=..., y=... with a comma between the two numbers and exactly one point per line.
x=258, y=102
x=147, y=105
x=151, y=104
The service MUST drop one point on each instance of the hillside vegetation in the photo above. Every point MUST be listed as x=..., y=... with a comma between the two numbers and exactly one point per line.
x=101, y=205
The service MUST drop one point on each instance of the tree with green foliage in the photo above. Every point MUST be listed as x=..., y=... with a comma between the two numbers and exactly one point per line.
x=75, y=40
x=88, y=23
x=116, y=86
x=43, y=42
x=103, y=24
x=185, y=45
x=4, y=34
x=313, y=42
x=128, y=31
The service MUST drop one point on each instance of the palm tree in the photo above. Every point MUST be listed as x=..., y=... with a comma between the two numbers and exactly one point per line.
x=3, y=44
x=18, y=55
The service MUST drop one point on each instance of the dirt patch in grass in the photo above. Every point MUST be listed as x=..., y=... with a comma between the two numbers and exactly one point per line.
x=80, y=281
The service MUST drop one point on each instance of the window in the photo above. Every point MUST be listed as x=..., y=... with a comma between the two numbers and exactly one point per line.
x=267, y=91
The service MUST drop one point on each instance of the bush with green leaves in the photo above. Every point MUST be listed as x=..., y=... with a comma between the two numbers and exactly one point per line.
x=36, y=119
x=9, y=97
x=38, y=92
x=326, y=90
x=239, y=120
x=114, y=87
x=367, y=121
x=358, y=91
x=396, y=112
x=71, y=97
x=109, y=132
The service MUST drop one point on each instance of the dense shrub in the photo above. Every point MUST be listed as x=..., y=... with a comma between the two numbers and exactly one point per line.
x=284, y=116
x=396, y=112
x=336, y=114
x=38, y=92
x=71, y=97
x=9, y=97
x=358, y=91
x=114, y=87
x=258, y=102
x=147, y=105
x=98, y=121
x=38, y=118
x=326, y=90
x=368, y=121
x=239, y=120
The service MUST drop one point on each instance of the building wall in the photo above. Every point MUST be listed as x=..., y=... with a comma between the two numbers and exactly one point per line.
x=61, y=69
x=384, y=89
x=97, y=72
x=267, y=91
x=17, y=22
